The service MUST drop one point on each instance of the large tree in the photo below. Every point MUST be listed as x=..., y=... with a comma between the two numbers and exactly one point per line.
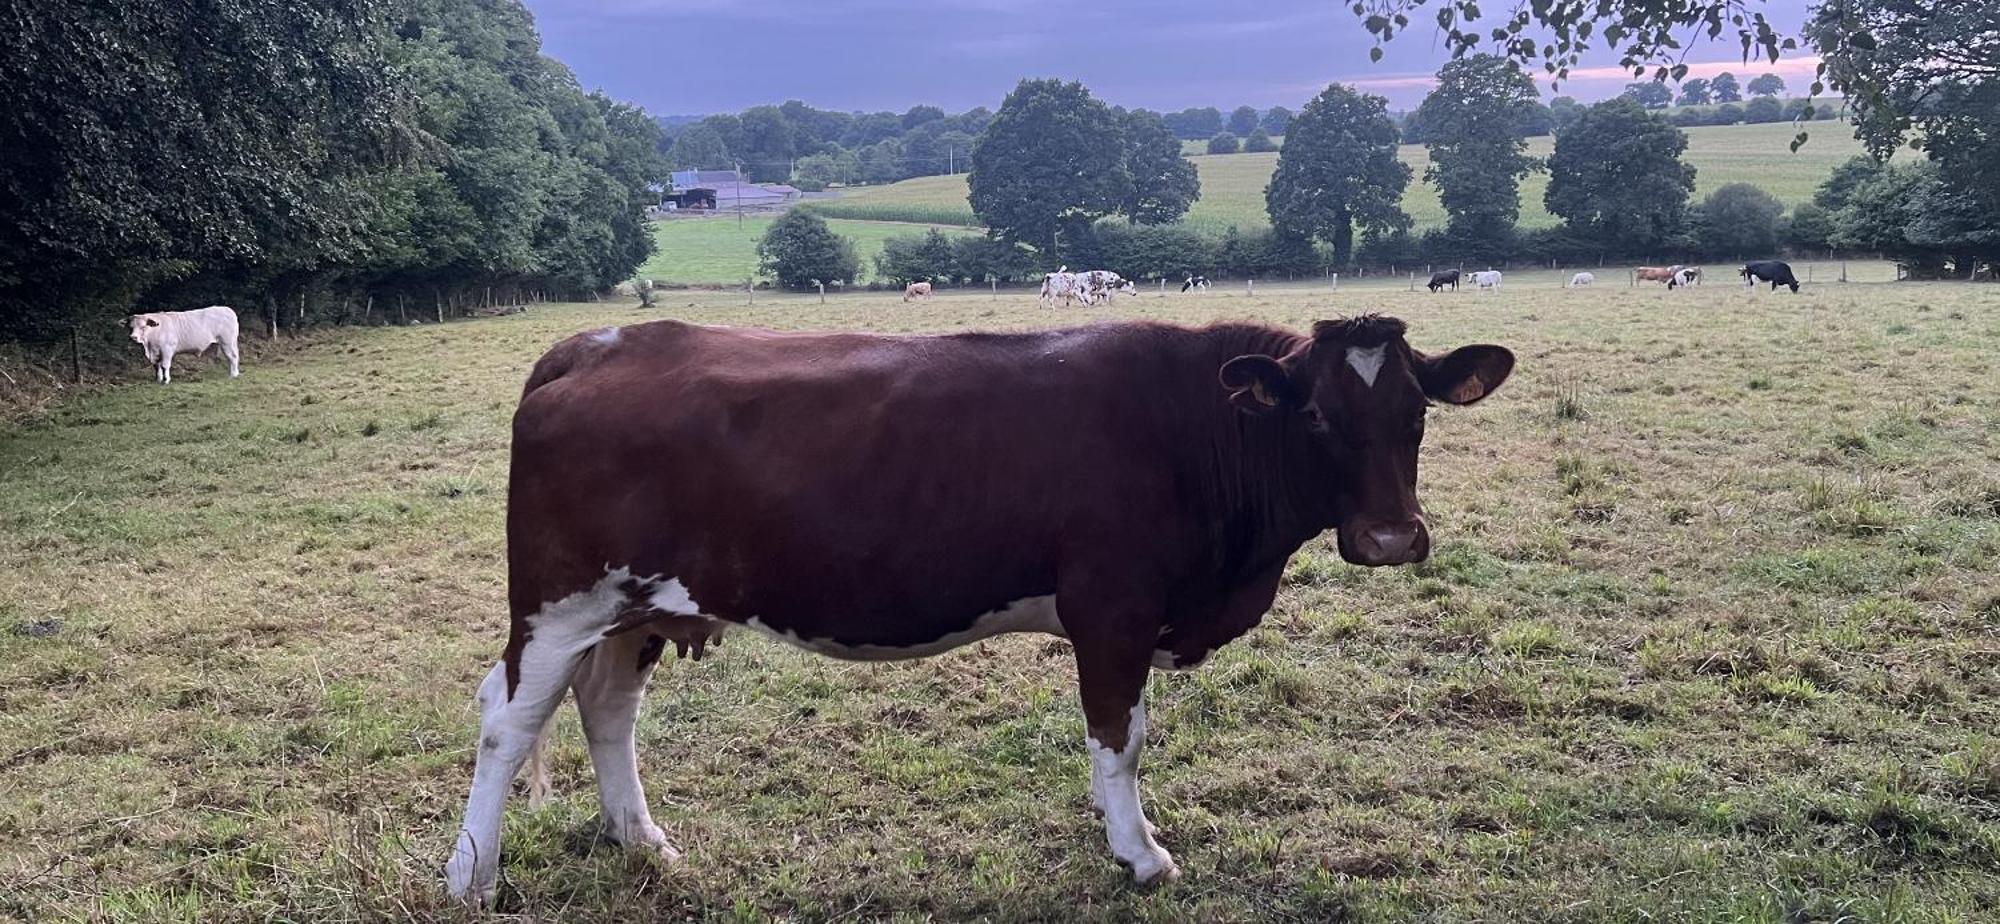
x=1694, y=92
x=1726, y=89
x=1164, y=183
x=1616, y=177
x=699, y=147
x=1276, y=119
x=1242, y=121
x=1926, y=74
x=1651, y=94
x=1339, y=169
x=1053, y=158
x=1766, y=85
x=1477, y=119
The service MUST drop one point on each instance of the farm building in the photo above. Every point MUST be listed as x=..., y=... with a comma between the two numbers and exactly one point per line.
x=725, y=190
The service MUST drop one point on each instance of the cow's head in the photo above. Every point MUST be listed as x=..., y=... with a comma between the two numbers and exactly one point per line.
x=1358, y=392
x=142, y=326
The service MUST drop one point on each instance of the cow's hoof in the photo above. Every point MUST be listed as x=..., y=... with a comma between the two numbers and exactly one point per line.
x=1155, y=870
x=459, y=885
x=648, y=839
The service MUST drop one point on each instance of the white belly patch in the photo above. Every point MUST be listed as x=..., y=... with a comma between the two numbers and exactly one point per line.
x=1028, y=614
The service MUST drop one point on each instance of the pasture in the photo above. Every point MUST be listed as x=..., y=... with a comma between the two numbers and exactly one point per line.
x=1711, y=632
x=1232, y=185
x=720, y=250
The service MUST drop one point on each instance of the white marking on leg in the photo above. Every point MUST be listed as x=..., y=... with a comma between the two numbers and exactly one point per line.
x=508, y=727
x=608, y=691
x=1367, y=362
x=1028, y=614
x=1114, y=778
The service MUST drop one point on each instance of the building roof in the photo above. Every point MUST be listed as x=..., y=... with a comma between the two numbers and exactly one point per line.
x=686, y=178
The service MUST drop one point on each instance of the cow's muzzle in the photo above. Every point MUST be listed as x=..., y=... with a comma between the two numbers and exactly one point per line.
x=1392, y=543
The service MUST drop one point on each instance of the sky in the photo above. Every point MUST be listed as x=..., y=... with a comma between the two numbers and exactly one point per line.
x=691, y=57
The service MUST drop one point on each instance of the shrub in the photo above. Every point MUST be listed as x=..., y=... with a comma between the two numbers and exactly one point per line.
x=1763, y=110
x=1726, y=114
x=1810, y=227
x=1224, y=143
x=916, y=258
x=1740, y=220
x=1258, y=143
x=799, y=249
x=979, y=259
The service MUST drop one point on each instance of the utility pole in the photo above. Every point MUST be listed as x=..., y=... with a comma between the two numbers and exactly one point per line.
x=951, y=159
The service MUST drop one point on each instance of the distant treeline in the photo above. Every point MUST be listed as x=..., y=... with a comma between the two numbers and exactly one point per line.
x=309, y=163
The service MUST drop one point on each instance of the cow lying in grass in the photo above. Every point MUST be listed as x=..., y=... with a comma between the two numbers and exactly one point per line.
x=1135, y=488
x=165, y=333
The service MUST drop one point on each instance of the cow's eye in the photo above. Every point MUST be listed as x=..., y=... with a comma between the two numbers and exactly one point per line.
x=1314, y=419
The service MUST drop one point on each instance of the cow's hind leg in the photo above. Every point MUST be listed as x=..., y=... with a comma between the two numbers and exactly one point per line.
x=545, y=652
x=229, y=350
x=608, y=690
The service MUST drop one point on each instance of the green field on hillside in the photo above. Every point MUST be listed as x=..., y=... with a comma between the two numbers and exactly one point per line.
x=1232, y=185
x=720, y=249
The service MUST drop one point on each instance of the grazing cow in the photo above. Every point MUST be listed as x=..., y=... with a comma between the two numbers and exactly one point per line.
x=1195, y=282
x=165, y=333
x=1685, y=276
x=1061, y=284
x=1440, y=280
x=1582, y=279
x=917, y=290
x=1135, y=488
x=1100, y=285
x=1664, y=274
x=1776, y=272
x=1486, y=280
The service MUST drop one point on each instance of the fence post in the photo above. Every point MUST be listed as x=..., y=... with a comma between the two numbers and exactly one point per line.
x=1843, y=271
x=750, y=286
x=822, y=291
x=994, y=286
x=1250, y=287
x=75, y=358
x=1334, y=278
x=1413, y=280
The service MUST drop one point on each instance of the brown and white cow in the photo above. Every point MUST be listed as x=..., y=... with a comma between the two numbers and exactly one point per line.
x=1135, y=488
x=917, y=290
x=1664, y=274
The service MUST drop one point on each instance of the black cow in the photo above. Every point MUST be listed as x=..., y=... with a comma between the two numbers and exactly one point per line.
x=1440, y=280
x=1776, y=272
x=1195, y=282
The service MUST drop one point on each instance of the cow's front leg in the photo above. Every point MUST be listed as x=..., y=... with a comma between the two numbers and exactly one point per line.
x=1112, y=662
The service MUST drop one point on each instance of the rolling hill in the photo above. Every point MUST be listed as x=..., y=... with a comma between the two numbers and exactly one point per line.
x=1232, y=185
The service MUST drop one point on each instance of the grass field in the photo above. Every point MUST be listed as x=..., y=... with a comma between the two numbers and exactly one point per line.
x=720, y=250
x=1232, y=185
x=1711, y=633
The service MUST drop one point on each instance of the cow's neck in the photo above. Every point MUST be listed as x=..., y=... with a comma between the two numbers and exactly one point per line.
x=1269, y=484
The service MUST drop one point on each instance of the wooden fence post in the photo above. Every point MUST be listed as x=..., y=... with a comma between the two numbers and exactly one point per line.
x=75, y=358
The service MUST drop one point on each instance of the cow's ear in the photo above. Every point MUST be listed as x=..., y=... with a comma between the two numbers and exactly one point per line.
x=1465, y=375
x=1257, y=383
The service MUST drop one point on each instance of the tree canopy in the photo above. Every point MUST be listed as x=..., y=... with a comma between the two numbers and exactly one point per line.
x=1476, y=119
x=1617, y=176
x=352, y=147
x=1164, y=184
x=1338, y=168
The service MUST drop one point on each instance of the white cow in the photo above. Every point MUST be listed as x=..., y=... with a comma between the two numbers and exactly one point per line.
x=1102, y=285
x=1582, y=279
x=1487, y=280
x=164, y=333
x=1061, y=284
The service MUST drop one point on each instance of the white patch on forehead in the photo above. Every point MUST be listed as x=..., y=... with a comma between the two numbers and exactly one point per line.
x=1028, y=614
x=1367, y=362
